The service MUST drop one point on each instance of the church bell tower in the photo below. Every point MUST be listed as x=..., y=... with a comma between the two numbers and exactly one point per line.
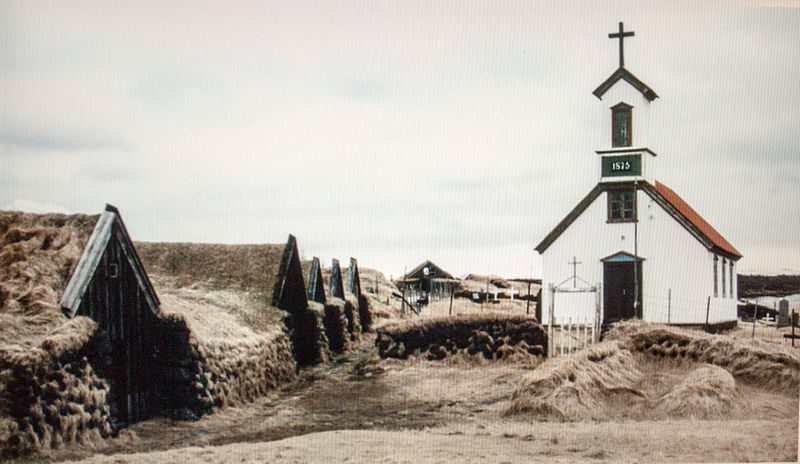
x=625, y=102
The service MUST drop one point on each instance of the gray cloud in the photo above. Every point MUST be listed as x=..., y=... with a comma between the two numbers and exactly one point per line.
x=393, y=131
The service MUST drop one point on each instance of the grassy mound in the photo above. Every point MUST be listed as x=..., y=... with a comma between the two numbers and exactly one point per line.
x=249, y=268
x=212, y=361
x=707, y=392
x=493, y=336
x=37, y=255
x=652, y=372
x=586, y=385
x=767, y=365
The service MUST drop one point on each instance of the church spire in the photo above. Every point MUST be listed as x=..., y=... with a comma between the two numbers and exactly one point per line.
x=624, y=152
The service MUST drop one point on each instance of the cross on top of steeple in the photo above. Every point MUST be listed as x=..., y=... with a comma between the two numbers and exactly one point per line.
x=621, y=36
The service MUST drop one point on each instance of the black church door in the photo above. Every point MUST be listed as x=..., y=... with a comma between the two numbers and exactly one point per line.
x=618, y=290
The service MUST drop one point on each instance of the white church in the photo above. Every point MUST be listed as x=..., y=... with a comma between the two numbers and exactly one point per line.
x=632, y=246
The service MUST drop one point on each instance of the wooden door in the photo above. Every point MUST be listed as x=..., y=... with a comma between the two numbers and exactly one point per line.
x=618, y=290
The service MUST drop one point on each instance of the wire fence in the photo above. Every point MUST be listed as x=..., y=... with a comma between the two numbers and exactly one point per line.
x=573, y=317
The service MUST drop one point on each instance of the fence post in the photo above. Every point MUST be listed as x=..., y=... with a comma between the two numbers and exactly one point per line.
x=708, y=308
x=403, y=296
x=528, y=301
x=755, y=316
x=585, y=333
x=551, y=345
x=669, y=304
x=452, y=291
x=569, y=335
x=794, y=323
x=597, y=322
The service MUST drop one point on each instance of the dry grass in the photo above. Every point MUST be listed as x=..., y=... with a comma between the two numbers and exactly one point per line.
x=49, y=394
x=651, y=372
x=251, y=268
x=464, y=306
x=764, y=364
x=37, y=255
x=706, y=392
x=586, y=385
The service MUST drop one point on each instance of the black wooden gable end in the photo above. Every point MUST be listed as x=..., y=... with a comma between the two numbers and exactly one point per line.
x=98, y=255
x=434, y=271
x=316, y=287
x=354, y=281
x=290, y=289
x=335, y=286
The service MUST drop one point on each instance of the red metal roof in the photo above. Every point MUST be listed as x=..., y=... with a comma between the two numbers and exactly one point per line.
x=692, y=216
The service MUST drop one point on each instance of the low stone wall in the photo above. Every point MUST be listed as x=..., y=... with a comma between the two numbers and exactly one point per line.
x=50, y=396
x=353, y=319
x=493, y=336
x=336, y=326
x=202, y=373
x=53, y=395
x=307, y=332
x=364, y=314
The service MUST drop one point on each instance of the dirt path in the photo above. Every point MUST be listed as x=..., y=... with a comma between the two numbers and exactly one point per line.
x=358, y=392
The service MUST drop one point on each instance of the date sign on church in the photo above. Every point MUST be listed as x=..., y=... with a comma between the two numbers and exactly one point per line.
x=625, y=165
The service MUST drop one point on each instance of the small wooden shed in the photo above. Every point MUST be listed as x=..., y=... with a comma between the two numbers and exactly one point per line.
x=428, y=282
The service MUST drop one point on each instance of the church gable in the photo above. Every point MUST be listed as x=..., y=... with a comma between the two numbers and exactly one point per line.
x=674, y=205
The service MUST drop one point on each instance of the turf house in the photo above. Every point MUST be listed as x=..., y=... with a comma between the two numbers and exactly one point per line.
x=627, y=246
x=90, y=342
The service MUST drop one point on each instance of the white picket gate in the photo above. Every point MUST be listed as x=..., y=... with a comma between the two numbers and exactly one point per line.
x=566, y=335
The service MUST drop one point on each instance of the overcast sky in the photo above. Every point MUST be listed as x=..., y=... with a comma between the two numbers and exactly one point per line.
x=460, y=132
